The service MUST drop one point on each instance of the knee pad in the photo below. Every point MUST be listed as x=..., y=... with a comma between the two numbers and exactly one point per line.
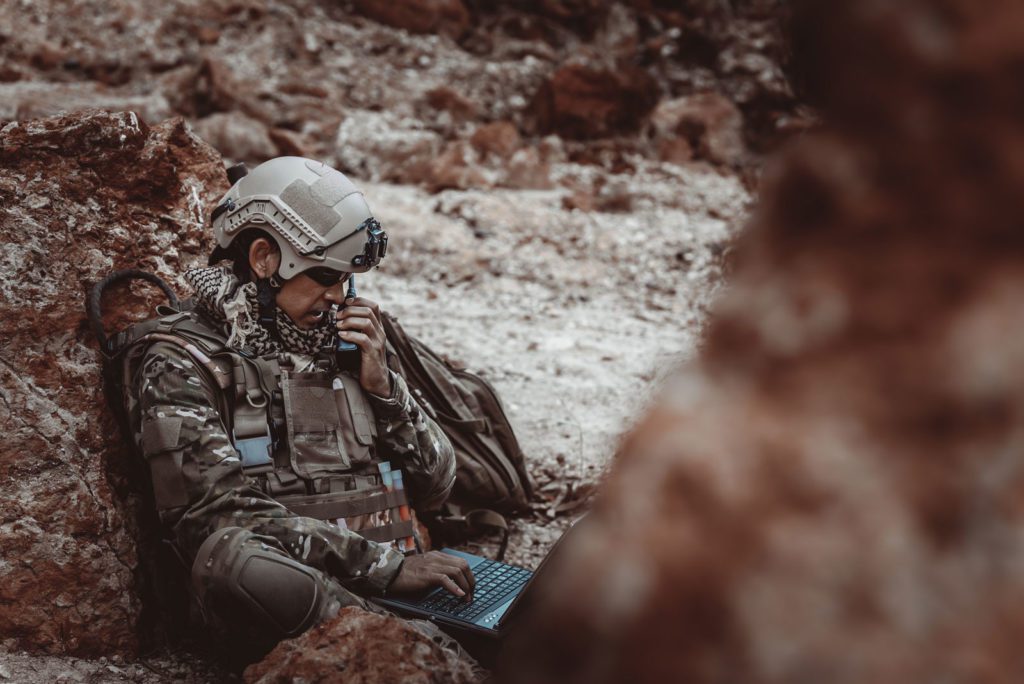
x=247, y=584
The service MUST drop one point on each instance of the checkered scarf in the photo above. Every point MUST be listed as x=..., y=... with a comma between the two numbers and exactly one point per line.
x=220, y=296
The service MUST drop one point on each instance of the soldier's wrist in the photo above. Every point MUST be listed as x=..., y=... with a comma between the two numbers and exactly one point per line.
x=386, y=571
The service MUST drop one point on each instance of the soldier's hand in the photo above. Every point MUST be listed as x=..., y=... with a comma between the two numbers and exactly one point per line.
x=359, y=323
x=434, y=569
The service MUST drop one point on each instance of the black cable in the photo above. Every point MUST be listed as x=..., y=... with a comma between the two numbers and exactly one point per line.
x=94, y=306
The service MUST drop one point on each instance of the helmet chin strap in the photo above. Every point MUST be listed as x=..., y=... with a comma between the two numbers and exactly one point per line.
x=266, y=297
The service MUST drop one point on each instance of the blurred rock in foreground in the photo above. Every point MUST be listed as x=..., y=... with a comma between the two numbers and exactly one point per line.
x=80, y=196
x=359, y=647
x=835, y=491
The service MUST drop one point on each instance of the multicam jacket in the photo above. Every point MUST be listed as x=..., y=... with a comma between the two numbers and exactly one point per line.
x=200, y=486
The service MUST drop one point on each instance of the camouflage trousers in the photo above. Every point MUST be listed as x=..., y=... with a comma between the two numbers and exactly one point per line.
x=251, y=595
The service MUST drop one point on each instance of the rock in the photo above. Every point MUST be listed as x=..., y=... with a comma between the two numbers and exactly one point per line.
x=449, y=17
x=833, y=491
x=290, y=143
x=448, y=108
x=584, y=16
x=529, y=170
x=499, y=138
x=209, y=88
x=674, y=150
x=25, y=100
x=80, y=196
x=360, y=647
x=708, y=126
x=237, y=137
x=456, y=168
x=580, y=102
x=380, y=146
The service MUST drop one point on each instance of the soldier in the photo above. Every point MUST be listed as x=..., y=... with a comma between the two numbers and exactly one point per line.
x=270, y=463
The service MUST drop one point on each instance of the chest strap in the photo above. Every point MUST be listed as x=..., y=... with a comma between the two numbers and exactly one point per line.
x=250, y=429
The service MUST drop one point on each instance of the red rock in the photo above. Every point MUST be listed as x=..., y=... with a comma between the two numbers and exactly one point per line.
x=834, y=491
x=290, y=143
x=447, y=112
x=455, y=168
x=580, y=102
x=709, y=125
x=584, y=201
x=582, y=16
x=359, y=647
x=419, y=16
x=675, y=150
x=81, y=195
x=499, y=138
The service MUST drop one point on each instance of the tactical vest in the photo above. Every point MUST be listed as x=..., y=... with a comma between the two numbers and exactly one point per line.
x=307, y=439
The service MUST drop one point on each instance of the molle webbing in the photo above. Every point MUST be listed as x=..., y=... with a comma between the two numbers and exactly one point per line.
x=386, y=533
x=322, y=507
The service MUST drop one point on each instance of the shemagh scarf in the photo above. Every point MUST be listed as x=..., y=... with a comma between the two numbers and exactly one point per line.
x=220, y=296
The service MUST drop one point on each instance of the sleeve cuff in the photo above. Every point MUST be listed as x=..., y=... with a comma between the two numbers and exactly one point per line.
x=395, y=406
x=385, y=571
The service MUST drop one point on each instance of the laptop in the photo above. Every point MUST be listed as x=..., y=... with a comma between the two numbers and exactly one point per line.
x=497, y=598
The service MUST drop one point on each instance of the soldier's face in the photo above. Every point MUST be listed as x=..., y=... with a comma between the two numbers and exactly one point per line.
x=306, y=302
x=302, y=298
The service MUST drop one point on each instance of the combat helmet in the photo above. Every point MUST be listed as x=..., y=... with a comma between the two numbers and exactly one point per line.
x=315, y=214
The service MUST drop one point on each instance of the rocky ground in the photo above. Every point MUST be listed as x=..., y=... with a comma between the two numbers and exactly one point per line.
x=561, y=182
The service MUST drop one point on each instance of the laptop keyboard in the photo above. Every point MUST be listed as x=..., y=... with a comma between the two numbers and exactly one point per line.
x=494, y=582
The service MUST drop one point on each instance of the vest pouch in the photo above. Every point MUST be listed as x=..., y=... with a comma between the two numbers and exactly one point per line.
x=355, y=410
x=315, y=428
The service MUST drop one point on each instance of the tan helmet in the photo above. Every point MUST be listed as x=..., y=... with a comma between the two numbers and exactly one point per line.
x=315, y=214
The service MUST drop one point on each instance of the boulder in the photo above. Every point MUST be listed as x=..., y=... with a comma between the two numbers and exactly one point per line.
x=449, y=17
x=498, y=138
x=457, y=167
x=237, y=136
x=582, y=102
x=833, y=491
x=359, y=647
x=708, y=126
x=447, y=110
x=80, y=195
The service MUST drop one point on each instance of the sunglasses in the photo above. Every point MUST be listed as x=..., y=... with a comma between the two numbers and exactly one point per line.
x=326, y=277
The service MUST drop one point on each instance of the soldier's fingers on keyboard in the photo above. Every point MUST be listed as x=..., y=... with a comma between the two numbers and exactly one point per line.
x=457, y=574
x=463, y=566
x=470, y=580
x=450, y=584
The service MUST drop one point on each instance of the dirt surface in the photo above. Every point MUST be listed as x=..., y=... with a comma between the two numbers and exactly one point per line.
x=573, y=316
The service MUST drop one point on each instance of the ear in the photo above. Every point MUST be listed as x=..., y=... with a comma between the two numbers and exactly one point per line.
x=263, y=258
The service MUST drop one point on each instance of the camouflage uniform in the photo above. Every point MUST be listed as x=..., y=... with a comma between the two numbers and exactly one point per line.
x=200, y=489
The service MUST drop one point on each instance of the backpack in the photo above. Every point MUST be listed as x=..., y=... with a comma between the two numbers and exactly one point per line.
x=491, y=468
x=490, y=477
